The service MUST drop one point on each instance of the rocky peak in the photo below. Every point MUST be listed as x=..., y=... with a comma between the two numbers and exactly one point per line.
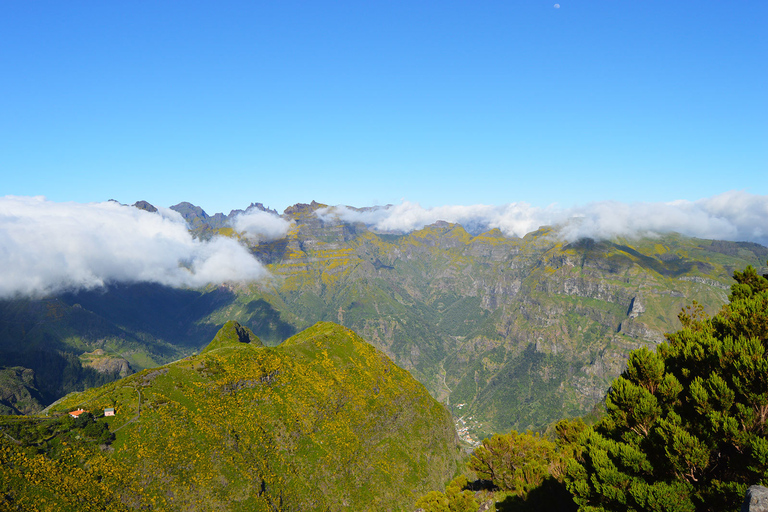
x=189, y=211
x=197, y=218
x=636, y=308
x=232, y=334
x=300, y=209
x=143, y=205
x=251, y=207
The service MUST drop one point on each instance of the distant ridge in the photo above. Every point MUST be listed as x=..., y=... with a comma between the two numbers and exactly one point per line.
x=509, y=332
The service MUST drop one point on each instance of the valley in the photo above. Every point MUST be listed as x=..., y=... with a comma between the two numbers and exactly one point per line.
x=519, y=331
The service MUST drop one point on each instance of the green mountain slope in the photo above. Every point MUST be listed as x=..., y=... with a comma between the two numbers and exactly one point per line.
x=18, y=394
x=232, y=334
x=76, y=341
x=322, y=422
x=509, y=332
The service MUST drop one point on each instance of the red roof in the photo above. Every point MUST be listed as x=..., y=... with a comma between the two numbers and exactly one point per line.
x=77, y=413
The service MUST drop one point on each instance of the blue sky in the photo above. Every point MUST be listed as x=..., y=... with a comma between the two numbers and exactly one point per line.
x=362, y=103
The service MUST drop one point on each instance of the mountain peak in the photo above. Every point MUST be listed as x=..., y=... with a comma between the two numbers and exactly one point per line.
x=323, y=334
x=255, y=430
x=252, y=207
x=144, y=205
x=189, y=210
x=300, y=209
x=232, y=334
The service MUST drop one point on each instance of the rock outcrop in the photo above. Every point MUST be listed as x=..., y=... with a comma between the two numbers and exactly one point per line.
x=756, y=499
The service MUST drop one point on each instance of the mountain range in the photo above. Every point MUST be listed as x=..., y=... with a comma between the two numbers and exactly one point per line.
x=508, y=332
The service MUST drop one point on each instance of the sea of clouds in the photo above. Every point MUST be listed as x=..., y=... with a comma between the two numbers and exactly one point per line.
x=735, y=216
x=48, y=247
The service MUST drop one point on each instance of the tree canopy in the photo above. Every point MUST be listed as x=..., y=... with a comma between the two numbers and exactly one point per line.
x=685, y=428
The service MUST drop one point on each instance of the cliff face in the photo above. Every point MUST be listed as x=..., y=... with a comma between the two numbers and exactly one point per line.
x=106, y=363
x=18, y=391
x=511, y=332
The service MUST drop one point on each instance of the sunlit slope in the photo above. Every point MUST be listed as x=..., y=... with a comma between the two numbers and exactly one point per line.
x=512, y=332
x=322, y=422
x=521, y=331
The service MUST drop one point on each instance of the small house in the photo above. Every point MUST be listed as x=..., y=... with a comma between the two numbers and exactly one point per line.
x=109, y=411
x=77, y=413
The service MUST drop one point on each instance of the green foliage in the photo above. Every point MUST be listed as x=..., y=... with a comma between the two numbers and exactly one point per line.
x=457, y=498
x=322, y=422
x=686, y=427
x=514, y=462
x=519, y=472
x=98, y=431
x=458, y=311
x=460, y=499
x=748, y=284
x=18, y=391
x=434, y=501
x=231, y=334
x=36, y=433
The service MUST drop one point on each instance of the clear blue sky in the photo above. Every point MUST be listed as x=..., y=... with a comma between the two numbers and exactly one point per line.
x=363, y=102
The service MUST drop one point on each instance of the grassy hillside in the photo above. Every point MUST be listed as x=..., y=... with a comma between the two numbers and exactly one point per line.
x=322, y=422
x=76, y=341
x=508, y=332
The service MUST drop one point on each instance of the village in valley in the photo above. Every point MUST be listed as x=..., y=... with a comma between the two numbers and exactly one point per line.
x=465, y=426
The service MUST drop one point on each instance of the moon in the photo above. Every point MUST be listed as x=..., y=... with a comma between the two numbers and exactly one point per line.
x=557, y=6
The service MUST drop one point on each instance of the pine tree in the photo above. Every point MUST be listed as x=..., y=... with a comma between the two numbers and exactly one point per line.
x=514, y=462
x=686, y=426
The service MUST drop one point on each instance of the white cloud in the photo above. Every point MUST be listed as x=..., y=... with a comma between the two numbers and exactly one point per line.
x=734, y=215
x=48, y=247
x=261, y=226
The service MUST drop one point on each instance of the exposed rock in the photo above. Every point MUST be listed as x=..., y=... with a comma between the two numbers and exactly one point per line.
x=251, y=207
x=635, y=329
x=143, y=205
x=636, y=308
x=460, y=311
x=586, y=287
x=708, y=282
x=189, y=211
x=756, y=499
x=149, y=376
x=232, y=334
x=18, y=392
x=303, y=208
x=105, y=363
x=486, y=506
x=218, y=220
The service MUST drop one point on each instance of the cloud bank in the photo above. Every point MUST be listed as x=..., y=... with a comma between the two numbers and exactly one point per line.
x=735, y=216
x=260, y=226
x=48, y=247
